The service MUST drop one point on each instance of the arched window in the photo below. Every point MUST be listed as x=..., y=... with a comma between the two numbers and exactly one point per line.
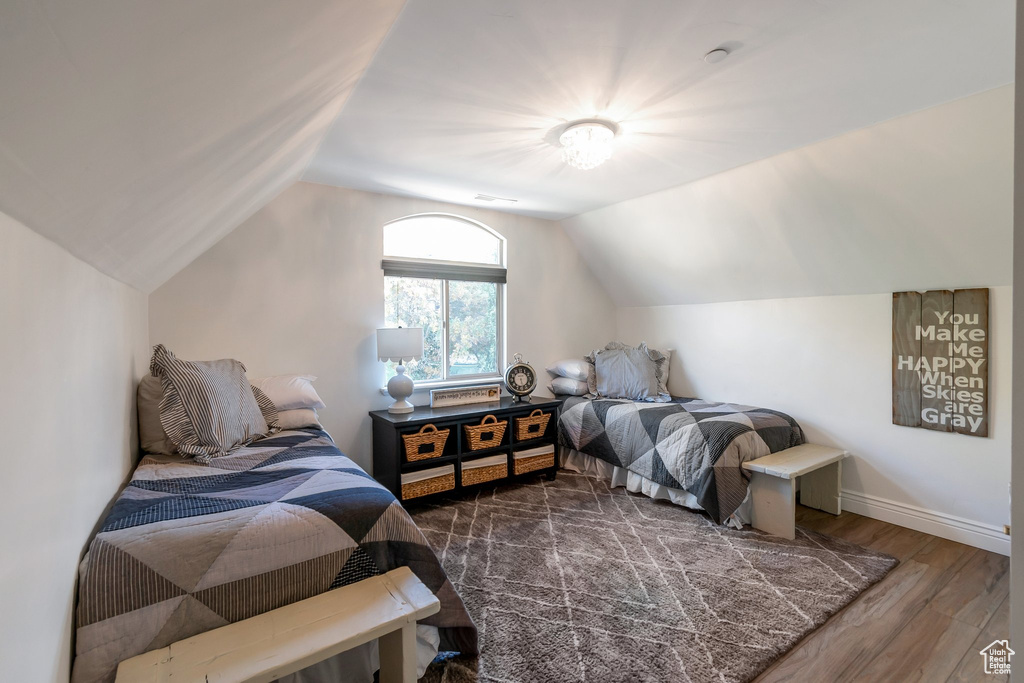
x=446, y=274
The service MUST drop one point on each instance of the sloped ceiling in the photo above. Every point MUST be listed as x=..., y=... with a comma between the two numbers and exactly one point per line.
x=469, y=96
x=922, y=201
x=137, y=133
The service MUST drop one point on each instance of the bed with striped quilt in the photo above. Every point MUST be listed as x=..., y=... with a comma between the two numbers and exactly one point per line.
x=191, y=546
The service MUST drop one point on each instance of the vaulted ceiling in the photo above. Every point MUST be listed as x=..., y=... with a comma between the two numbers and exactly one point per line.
x=137, y=133
x=469, y=96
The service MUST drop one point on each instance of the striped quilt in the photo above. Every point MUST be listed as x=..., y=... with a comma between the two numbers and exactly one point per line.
x=189, y=547
x=689, y=444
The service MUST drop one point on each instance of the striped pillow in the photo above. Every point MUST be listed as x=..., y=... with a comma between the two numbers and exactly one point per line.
x=208, y=407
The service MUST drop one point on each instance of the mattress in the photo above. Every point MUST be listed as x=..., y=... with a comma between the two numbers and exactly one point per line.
x=687, y=445
x=189, y=547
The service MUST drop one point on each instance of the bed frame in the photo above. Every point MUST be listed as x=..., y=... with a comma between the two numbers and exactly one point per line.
x=263, y=648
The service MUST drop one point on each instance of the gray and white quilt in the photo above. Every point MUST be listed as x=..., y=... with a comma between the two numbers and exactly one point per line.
x=688, y=444
x=189, y=547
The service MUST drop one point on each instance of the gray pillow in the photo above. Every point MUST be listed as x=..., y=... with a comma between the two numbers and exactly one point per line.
x=152, y=436
x=622, y=371
x=208, y=407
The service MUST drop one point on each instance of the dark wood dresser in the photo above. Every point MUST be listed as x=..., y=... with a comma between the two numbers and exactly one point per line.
x=430, y=451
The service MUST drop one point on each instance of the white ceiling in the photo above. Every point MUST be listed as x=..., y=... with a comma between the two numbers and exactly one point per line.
x=468, y=96
x=137, y=133
x=922, y=201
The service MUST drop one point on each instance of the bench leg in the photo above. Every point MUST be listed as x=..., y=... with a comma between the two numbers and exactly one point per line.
x=773, y=503
x=820, y=489
x=398, y=655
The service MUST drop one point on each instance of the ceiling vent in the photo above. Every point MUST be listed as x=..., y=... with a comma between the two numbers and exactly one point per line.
x=489, y=198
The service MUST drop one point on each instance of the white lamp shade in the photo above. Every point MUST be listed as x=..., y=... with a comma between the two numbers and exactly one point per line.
x=399, y=343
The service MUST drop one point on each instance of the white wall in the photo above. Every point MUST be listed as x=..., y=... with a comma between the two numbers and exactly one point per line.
x=780, y=274
x=298, y=288
x=827, y=362
x=924, y=201
x=73, y=342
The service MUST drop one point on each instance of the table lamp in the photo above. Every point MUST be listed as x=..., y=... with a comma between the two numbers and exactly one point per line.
x=400, y=344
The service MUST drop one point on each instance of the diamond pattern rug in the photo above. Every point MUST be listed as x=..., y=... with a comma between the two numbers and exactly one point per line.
x=572, y=581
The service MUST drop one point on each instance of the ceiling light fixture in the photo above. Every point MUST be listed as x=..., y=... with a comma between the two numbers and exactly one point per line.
x=587, y=144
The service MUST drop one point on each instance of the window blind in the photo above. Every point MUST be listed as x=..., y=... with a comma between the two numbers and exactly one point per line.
x=443, y=271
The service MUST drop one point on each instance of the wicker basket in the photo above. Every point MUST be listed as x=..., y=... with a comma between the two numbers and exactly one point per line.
x=542, y=461
x=425, y=444
x=444, y=481
x=533, y=426
x=478, y=475
x=487, y=434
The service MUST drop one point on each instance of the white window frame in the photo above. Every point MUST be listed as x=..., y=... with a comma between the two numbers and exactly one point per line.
x=446, y=272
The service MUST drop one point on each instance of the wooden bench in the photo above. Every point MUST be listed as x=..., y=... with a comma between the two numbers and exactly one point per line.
x=270, y=645
x=773, y=480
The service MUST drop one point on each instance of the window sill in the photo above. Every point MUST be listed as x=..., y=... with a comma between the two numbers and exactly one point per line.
x=423, y=387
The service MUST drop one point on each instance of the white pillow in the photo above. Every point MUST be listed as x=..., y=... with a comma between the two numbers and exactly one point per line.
x=289, y=392
x=298, y=418
x=564, y=386
x=573, y=368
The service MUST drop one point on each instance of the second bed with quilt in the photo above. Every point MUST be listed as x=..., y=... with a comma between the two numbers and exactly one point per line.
x=686, y=445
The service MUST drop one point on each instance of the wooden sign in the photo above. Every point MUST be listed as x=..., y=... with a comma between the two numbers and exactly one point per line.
x=940, y=360
x=441, y=398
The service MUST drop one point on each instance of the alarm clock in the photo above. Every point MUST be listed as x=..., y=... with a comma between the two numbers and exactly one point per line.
x=520, y=378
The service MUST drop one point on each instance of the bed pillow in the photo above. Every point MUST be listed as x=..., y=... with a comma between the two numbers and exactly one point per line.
x=298, y=418
x=665, y=367
x=267, y=409
x=208, y=407
x=622, y=371
x=289, y=392
x=573, y=368
x=563, y=386
x=152, y=436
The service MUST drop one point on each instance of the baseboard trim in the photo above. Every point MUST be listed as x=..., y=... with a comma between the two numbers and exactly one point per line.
x=970, y=532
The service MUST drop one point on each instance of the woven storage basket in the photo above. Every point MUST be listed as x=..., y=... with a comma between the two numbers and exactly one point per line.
x=425, y=444
x=444, y=481
x=544, y=461
x=478, y=475
x=533, y=426
x=487, y=434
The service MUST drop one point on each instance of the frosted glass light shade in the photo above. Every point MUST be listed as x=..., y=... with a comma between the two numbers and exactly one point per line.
x=586, y=145
x=399, y=343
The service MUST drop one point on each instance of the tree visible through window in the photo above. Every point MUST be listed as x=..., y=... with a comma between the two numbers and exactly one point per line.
x=446, y=274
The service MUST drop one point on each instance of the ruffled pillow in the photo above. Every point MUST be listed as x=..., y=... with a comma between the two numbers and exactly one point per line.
x=623, y=371
x=208, y=407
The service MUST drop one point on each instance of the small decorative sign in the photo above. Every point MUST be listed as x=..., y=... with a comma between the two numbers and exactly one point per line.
x=940, y=360
x=440, y=398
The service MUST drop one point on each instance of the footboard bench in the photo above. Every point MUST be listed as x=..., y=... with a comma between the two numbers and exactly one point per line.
x=263, y=648
x=773, y=485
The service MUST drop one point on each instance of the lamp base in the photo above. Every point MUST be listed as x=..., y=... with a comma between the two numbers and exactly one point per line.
x=402, y=406
x=400, y=387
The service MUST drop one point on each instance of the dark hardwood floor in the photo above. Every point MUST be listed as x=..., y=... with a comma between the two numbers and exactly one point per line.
x=925, y=621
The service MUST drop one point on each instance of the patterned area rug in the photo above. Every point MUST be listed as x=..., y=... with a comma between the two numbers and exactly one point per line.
x=572, y=581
